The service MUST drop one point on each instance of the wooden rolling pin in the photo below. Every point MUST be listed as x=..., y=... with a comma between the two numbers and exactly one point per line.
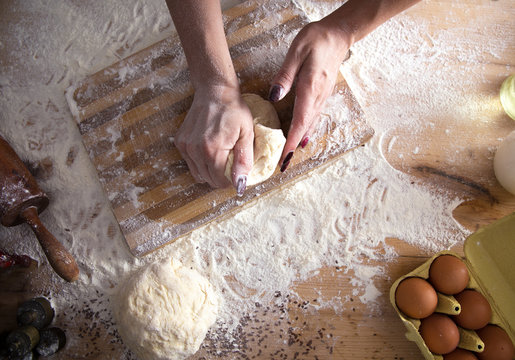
x=21, y=200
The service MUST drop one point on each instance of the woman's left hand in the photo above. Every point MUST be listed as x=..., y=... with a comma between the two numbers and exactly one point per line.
x=313, y=60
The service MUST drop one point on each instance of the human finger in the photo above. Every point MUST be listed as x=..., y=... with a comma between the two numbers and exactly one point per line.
x=301, y=123
x=181, y=146
x=201, y=162
x=307, y=137
x=216, y=169
x=283, y=80
x=314, y=112
x=243, y=153
x=192, y=167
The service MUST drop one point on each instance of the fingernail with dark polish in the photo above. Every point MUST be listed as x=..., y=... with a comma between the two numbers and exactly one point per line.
x=241, y=185
x=286, y=161
x=304, y=142
x=276, y=93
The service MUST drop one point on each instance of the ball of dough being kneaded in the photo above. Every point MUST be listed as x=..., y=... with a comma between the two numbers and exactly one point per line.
x=165, y=310
x=269, y=140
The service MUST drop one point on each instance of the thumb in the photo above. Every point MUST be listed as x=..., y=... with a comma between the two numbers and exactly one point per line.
x=283, y=80
x=243, y=153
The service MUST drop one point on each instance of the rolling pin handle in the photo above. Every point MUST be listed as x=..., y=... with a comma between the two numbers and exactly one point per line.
x=59, y=258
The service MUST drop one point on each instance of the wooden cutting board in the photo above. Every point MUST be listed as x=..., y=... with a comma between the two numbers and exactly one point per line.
x=129, y=112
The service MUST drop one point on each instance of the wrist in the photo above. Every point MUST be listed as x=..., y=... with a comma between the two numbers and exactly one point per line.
x=216, y=80
x=357, y=18
x=338, y=33
x=344, y=30
x=220, y=90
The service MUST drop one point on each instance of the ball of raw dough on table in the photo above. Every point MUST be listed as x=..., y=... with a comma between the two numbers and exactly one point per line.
x=165, y=310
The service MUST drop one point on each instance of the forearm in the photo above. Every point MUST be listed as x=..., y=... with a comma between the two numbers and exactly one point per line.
x=200, y=28
x=357, y=18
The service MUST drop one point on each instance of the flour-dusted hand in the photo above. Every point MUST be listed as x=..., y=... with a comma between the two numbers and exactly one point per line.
x=313, y=60
x=315, y=56
x=218, y=121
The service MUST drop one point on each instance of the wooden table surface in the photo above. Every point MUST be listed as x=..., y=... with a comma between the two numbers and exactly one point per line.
x=362, y=332
x=148, y=115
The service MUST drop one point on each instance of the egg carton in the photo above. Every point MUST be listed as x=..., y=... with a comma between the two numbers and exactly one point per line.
x=489, y=257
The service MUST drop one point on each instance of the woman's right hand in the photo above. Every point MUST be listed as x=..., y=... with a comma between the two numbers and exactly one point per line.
x=218, y=121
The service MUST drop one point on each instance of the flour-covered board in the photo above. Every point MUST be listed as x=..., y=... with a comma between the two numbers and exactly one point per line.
x=129, y=113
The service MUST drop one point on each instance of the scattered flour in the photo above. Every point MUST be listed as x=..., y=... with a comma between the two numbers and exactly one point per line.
x=365, y=201
x=340, y=214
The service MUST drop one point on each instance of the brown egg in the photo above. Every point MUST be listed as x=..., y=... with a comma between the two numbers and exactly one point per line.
x=448, y=274
x=498, y=345
x=460, y=354
x=416, y=298
x=440, y=333
x=475, y=310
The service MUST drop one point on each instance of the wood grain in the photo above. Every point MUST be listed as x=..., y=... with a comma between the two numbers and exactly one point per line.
x=455, y=153
x=129, y=113
x=360, y=331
